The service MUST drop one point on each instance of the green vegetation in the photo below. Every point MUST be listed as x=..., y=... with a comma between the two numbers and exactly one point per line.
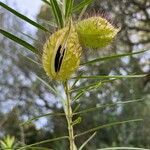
x=105, y=102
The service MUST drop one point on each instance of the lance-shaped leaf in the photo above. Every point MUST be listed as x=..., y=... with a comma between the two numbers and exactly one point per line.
x=107, y=58
x=46, y=2
x=43, y=142
x=85, y=143
x=122, y=148
x=107, y=125
x=19, y=41
x=113, y=77
x=57, y=13
x=106, y=105
x=23, y=17
x=41, y=116
x=82, y=5
x=68, y=7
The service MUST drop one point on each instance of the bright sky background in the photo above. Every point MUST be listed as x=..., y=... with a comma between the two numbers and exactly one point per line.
x=28, y=7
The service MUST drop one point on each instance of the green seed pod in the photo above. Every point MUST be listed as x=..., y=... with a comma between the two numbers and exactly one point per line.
x=95, y=32
x=61, y=54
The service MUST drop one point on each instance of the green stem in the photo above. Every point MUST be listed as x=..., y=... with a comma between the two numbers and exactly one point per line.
x=69, y=115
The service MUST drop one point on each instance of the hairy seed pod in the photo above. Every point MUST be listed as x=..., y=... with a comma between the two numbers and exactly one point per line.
x=95, y=32
x=61, y=54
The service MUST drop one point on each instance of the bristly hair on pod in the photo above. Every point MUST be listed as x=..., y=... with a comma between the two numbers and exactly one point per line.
x=61, y=53
x=96, y=32
x=103, y=14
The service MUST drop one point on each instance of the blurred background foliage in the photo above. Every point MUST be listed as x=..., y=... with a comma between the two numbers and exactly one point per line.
x=23, y=96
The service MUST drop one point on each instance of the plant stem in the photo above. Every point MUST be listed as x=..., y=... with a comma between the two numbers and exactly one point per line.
x=69, y=115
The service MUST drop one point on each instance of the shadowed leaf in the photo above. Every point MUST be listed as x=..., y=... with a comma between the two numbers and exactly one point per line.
x=46, y=2
x=19, y=41
x=122, y=148
x=82, y=5
x=107, y=125
x=111, y=57
x=113, y=77
x=106, y=105
x=23, y=17
x=42, y=142
x=57, y=12
x=85, y=143
x=41, y=116
x=68, y=7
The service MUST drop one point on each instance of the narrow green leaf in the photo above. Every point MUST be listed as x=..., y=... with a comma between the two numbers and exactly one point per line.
x=57, y=13
x=76, y=108
x=30, y=37
x=82, y=12
x=85, y=143
x=46, y=2
x=76, y=80
x=23, y=17
x=82, y=5
x=52, y=89
x=79, y=94
x=113, y=77
x=41, y=116
x=19, y=41
x=30, y=59
x=88, y=87
x=68, y=7
x=39, y=148
x=82, y=90
x=111, y=57
x=45, y=141
x=107, y=125
x=122, y=148
x=92, y=86
x=46, y=22
x=106, y=105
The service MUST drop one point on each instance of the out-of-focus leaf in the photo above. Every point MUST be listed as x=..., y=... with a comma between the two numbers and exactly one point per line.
x=88, y=87
x=57, y=13
x=82, y=5
x=113, y=77
x=107, y=125
x=52, y=89
x=122, y=148
x=39, y=148
x=106, y=105
x=76, y=80
x=46, y=2
x=45, y=141
x=76, y=108
x=77, y=121
x=82, y=90
x=85, y=143
x=7, y=142
x=19, y=41
x=41, y=116
x=78, y=95
x=82, y=12
x=23, y=17
x=107, y=58
x=29, y=36
x=46, y=22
